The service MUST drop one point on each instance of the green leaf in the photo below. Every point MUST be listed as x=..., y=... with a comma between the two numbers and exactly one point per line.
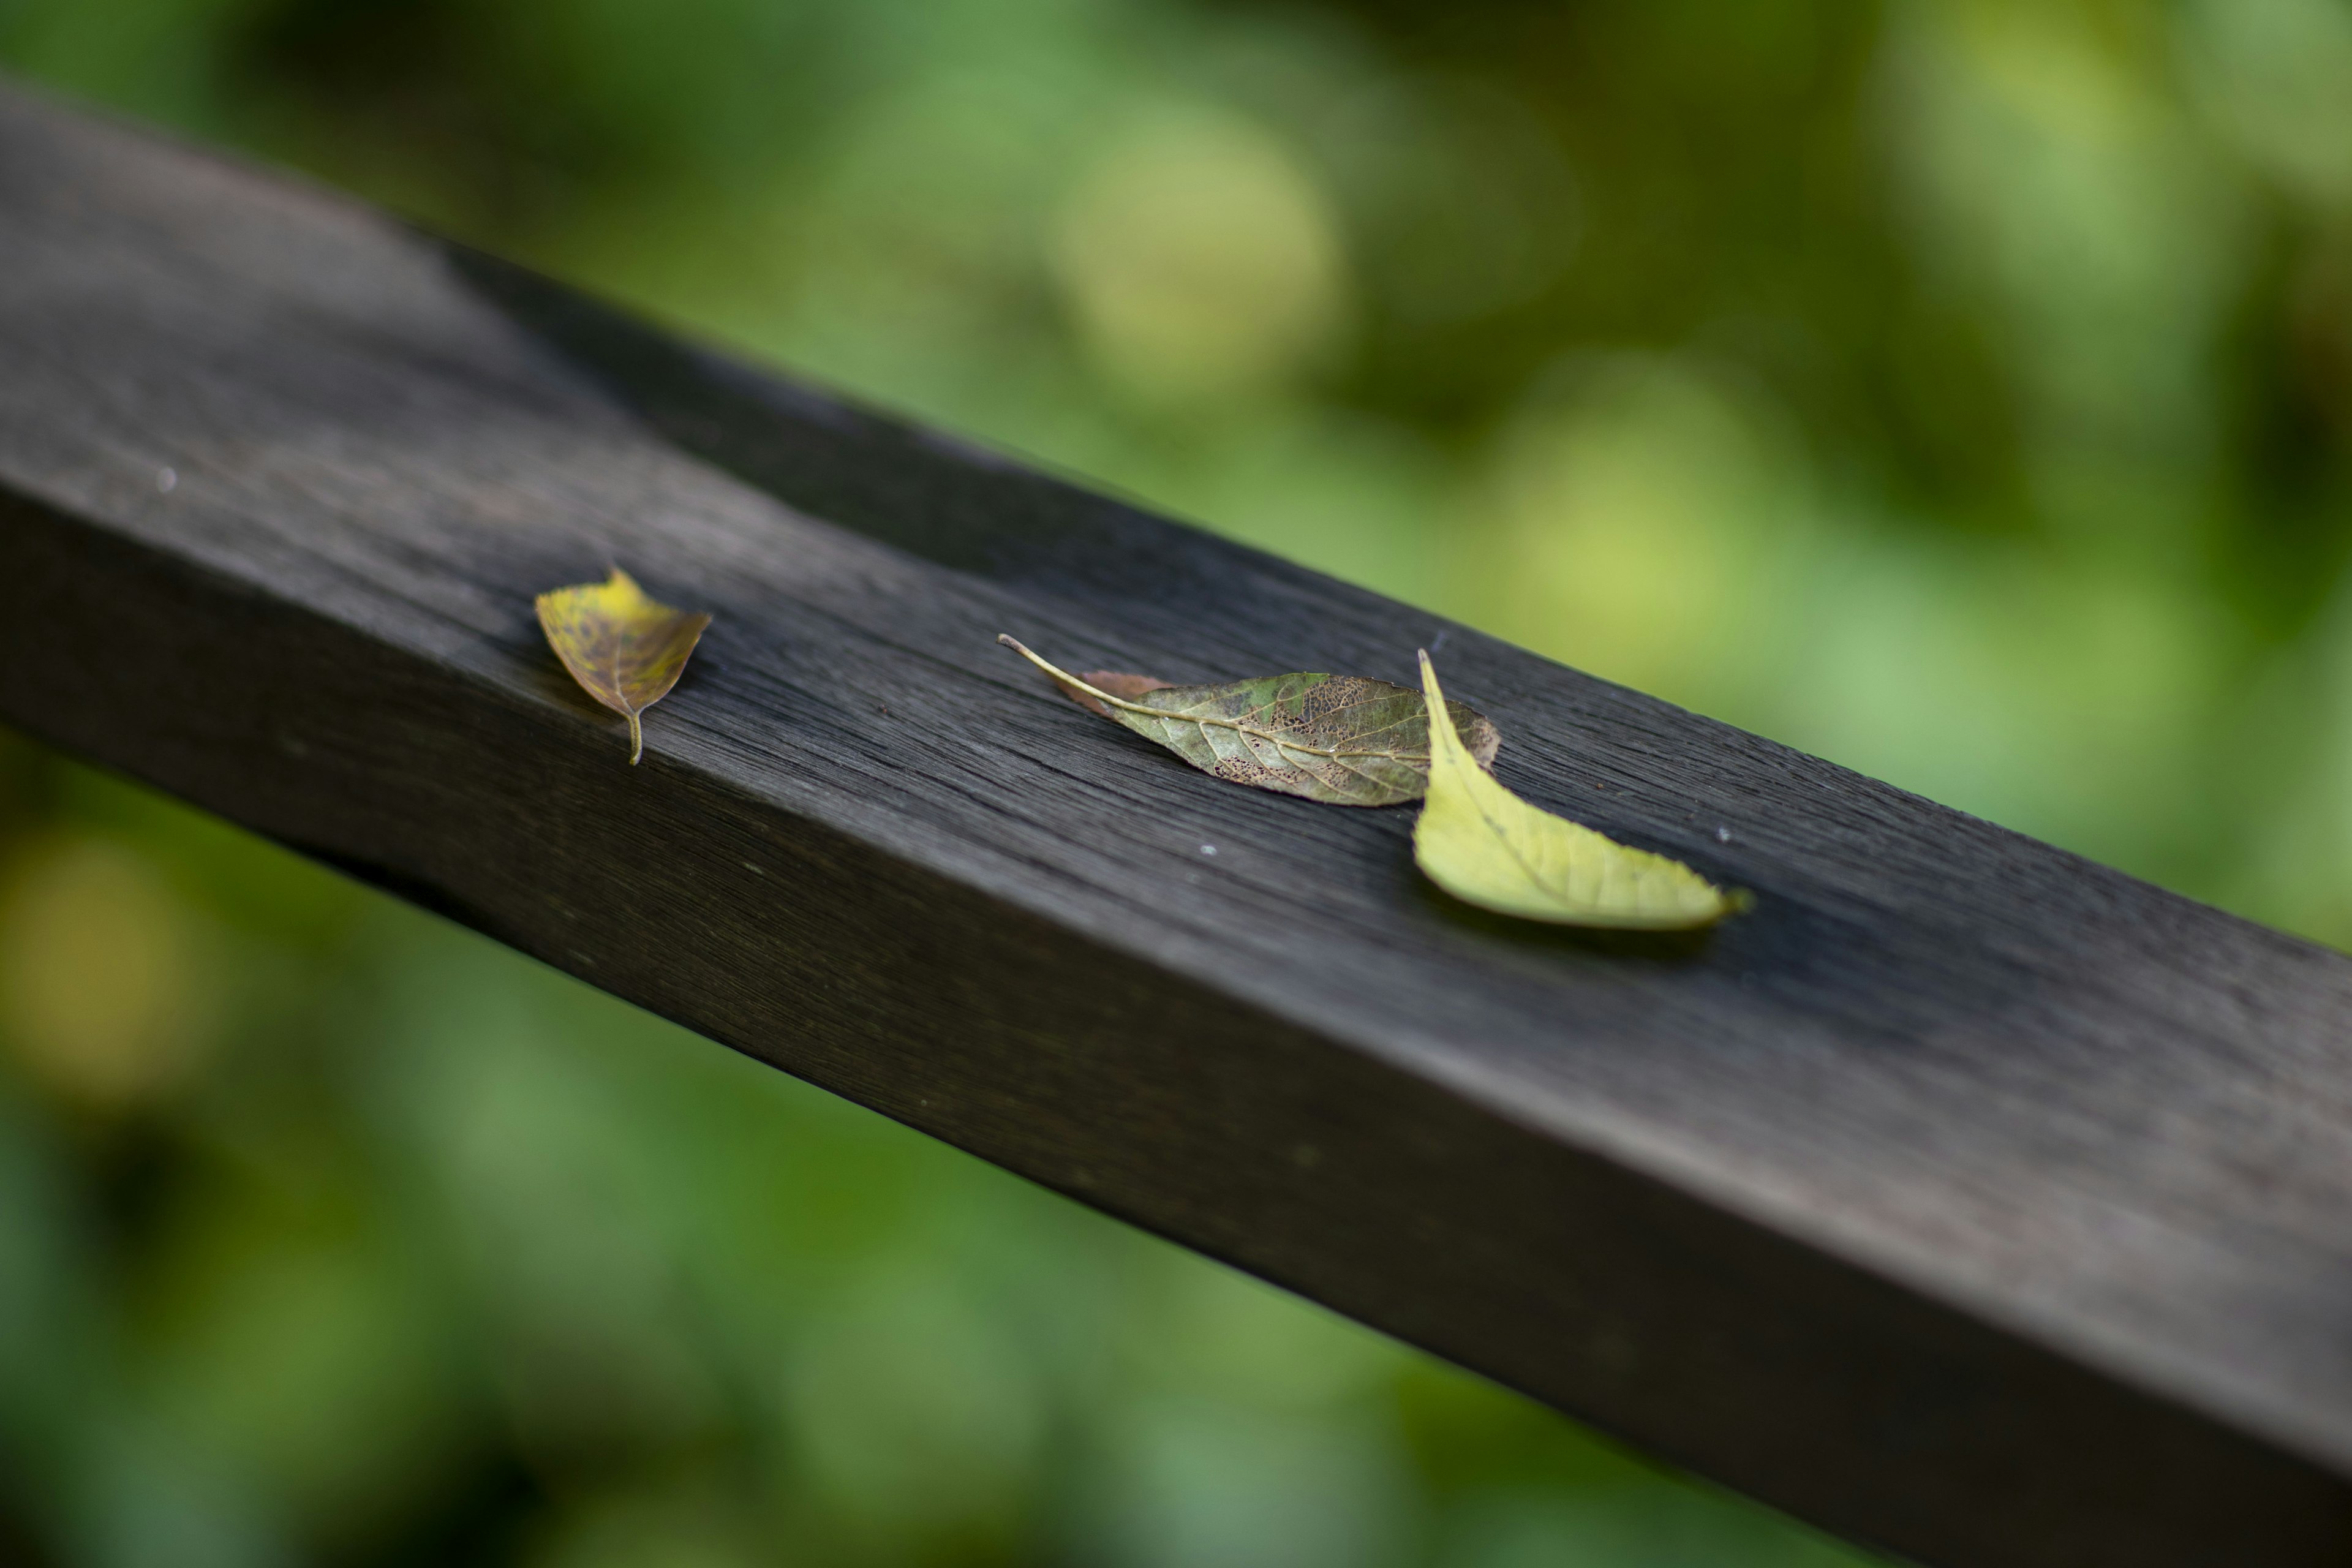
x=1486, y=847
x=625, y=650
x=1340, y=739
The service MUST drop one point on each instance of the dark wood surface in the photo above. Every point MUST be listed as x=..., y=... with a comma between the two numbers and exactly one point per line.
x=1965, y=1197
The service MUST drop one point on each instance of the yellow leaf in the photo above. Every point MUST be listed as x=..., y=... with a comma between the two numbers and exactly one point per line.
x=625, y=650
x=1486, y=847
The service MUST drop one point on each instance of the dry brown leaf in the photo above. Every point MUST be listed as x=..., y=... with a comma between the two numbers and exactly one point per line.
x=1344, y=739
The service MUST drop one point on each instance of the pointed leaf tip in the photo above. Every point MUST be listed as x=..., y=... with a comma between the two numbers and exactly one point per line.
x=625, y=649
x=1486, y=847
x=1342, y=739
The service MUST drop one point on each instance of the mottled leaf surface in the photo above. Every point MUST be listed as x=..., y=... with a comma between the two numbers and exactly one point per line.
x=1486, y=847
x=625, y=649
x=1340, y=739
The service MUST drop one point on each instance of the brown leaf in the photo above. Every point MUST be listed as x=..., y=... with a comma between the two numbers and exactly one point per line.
x=1340, y=739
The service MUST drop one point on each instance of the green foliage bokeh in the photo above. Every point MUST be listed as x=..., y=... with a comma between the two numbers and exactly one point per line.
x=1960, y=389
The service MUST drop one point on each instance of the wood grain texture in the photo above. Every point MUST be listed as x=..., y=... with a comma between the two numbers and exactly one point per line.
x=1965, y=1197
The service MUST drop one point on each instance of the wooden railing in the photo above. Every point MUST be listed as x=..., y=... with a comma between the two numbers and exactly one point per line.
x=1964, y=1197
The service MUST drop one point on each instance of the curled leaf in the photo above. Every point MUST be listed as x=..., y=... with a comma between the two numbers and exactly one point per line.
x=625, y=650
x=1486, y=847
x=1340, y=739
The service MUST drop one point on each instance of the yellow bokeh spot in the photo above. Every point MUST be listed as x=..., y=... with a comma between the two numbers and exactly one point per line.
x=1645, y=514
x=100, y=989
x=1200, y=259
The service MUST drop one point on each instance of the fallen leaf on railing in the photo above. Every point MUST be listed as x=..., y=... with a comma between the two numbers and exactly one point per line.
x=625, y=650
x=1341, y=739
x=1486, y=847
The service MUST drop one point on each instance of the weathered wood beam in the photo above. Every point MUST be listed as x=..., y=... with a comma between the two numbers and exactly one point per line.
x=1965, y=1197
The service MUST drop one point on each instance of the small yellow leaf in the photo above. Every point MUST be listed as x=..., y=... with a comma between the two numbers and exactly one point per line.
x=1486, y=847
x=625, y=650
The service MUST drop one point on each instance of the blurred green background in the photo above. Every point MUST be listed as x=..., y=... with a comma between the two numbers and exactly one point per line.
x=1960, y=389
